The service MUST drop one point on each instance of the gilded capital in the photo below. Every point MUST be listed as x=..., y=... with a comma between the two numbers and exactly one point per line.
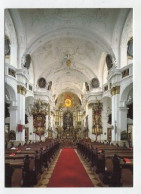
x=115, y=90
x=21, y=90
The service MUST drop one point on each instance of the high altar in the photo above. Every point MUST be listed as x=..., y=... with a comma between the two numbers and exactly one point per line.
x=68, y=118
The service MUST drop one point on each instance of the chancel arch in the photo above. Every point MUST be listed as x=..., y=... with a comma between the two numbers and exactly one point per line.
x=10, y=94
x=125, y=92
x=126, y=112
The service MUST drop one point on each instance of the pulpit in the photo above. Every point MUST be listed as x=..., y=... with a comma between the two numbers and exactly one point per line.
x=39, y=112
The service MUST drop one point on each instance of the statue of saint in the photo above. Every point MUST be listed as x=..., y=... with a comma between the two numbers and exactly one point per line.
x=109, y=62
x=130, y=48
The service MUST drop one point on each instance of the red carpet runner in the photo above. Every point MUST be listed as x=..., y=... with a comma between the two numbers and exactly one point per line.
x=69, y=171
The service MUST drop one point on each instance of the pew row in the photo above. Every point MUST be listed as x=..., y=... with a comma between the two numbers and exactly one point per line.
x=112, y=162
x=24, y=164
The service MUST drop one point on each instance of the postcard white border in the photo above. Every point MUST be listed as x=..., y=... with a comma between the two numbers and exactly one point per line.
x=136, y=5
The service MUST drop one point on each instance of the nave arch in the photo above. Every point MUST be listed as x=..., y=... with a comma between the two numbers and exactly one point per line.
x=11, y=93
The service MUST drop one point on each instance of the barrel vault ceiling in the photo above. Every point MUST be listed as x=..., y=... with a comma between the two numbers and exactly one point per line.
x=53, y=36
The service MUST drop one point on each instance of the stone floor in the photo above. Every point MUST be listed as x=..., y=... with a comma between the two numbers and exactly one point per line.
x=92, y=175
x=44, y=179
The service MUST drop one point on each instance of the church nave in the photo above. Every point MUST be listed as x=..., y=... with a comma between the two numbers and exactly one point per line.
x=68, y=97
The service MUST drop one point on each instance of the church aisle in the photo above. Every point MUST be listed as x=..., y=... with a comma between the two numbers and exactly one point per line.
x=69, y=171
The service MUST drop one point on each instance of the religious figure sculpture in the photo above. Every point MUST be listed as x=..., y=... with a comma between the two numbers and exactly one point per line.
x=87, y=86
x=7, y=46
x=49, y=85
x=130, y=48
x=26, y=60
x=109, y=62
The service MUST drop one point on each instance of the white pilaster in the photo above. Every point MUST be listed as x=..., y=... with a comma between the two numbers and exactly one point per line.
x=30, y=124
x=122, y=120
x=90, y=124
x=115, y=117
x=104, y=124
x=21, y=116
x=13, y=118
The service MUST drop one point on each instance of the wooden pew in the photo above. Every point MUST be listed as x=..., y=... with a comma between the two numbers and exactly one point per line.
x=19, y=156
x=17, y=164
x=16, y=161
x=20, y=152
x=8, y=175
x=117, y=177
x=102, y=157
